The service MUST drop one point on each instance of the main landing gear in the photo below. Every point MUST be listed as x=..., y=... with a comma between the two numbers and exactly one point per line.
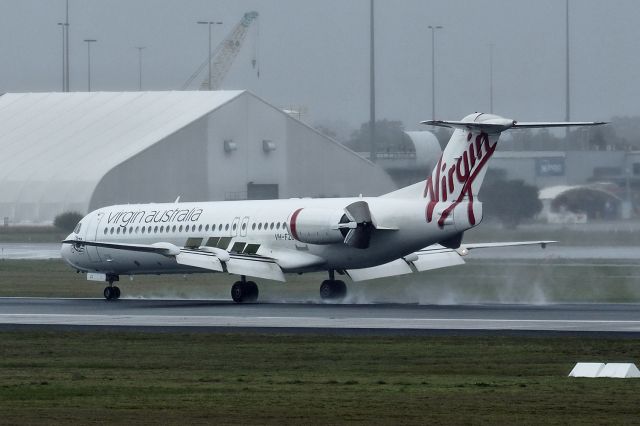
x=244, y=291
x=112, y=292
x=333, y=289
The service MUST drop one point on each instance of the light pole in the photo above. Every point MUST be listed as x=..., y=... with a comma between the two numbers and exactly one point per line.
x=63, y=26
x=491, y=78
x=433, y=68
x=372, y=85
x=89, y=41
x=209, y=24
x=567, y=115
x=140, y=49
x=65, y=49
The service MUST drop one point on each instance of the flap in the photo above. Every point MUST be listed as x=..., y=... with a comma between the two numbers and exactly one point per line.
x=437, y=259
x=258, y=267
x=393, y=268
x=200, y=260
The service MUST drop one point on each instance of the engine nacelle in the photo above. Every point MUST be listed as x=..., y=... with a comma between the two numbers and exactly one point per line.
x=316, y=226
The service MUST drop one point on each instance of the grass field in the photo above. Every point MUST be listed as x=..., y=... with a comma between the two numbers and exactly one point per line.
x=127, y=377
x=174, y=378
x=476, y=282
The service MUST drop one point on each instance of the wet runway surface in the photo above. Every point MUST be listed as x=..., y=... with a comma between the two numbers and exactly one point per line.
x=594, y=318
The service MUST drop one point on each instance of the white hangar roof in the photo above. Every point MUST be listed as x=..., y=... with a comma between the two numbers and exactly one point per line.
x=50, y=139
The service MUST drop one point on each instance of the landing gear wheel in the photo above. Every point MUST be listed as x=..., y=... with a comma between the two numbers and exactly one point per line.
x=111, y=293
x=237, y=293
x=333, y=289
x=244, y=291
x=252, y=291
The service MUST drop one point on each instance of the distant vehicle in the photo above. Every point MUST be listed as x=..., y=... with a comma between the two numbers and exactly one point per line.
x=413, y=229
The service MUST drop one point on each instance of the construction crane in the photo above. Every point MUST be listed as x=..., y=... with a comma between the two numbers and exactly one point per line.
x=224, y=55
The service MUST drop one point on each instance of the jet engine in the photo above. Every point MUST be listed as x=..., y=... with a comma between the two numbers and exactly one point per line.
x=316, y=226
x=352, y=226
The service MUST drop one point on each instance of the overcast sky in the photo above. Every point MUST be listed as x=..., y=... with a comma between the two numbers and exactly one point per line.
x=316, y=53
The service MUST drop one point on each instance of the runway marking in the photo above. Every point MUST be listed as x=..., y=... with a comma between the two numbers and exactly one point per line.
x=319, y=322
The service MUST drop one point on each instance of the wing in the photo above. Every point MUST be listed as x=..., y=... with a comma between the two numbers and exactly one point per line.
x=432, y=257
x=243, y=261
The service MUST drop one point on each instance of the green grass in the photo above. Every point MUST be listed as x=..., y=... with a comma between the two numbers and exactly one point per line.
x=127, y=377
x=475, y=282
x=162, y=378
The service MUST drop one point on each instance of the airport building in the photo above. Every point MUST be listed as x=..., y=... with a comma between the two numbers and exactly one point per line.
x=80, y=151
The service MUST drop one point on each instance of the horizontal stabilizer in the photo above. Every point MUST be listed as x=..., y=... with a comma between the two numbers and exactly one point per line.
x=501, y=124
x=543, y=124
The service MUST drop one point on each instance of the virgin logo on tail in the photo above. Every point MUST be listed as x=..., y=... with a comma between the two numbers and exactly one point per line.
x=444, y=183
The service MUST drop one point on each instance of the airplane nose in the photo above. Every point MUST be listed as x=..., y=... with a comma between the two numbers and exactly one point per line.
x=65, y=251
x=69, y=254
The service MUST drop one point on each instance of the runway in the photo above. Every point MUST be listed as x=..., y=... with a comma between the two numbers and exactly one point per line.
x=158, y=314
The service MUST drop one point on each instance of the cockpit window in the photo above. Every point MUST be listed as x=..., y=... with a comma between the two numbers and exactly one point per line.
x=78, y=226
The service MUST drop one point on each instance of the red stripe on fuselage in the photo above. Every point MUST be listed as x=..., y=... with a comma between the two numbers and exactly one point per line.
x=292, y=224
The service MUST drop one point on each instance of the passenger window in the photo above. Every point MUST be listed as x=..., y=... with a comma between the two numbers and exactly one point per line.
x=137, y=229
x=226, y=227
x=200, y=228
x=131, y=230
x=234, y=226
x=105, y=231
x=244, y=226
x=174, y=228
x=180, y=229
x=118, y=230
x=155, y=230
x=253, y=227
x=161, y=229
x=143, y=229
x=260, y=226
x=206, y=228
x=220, y=227
x=149, y=229
x=271, y=227
x=278, y=225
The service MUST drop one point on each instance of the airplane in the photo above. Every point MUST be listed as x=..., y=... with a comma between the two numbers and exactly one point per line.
x=413, y=229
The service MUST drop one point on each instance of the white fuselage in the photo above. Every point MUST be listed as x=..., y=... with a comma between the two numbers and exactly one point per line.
x=264, y=224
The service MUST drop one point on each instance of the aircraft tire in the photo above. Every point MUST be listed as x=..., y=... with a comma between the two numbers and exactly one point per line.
x=340, y=289
x=116, y=291
x=238, y=293
x=252, y=291
x=244, y=292
x=108, y=293
x=333, y=289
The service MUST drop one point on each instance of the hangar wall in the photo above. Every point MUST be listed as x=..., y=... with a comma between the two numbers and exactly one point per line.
x=175, y=166
x=81, y=151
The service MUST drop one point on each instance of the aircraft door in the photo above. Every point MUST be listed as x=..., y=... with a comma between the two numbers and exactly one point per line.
x=91, y=234
x=234, y=227
x=243, y=226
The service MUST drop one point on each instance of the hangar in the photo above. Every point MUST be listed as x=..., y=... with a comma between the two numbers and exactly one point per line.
x=80, y=151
